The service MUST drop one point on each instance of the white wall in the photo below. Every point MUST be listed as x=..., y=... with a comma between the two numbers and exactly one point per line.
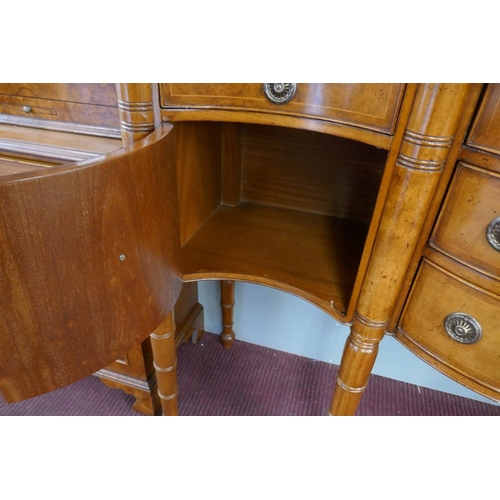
x=281, y=321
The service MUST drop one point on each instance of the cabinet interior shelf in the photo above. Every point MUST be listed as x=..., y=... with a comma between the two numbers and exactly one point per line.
x=313, y=256
x=280, y=207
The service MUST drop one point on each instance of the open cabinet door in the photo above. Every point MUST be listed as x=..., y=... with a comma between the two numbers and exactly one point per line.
x=89, y=264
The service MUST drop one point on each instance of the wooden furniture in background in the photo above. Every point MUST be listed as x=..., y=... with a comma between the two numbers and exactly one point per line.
x=331, y=192
x=134, y=372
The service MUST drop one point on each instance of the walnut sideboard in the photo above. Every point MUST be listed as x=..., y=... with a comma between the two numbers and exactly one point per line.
x=378, y=203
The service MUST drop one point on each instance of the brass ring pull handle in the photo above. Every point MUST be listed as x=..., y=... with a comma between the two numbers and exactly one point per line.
x=463, y=328
x=280, y=93
x=493, y=233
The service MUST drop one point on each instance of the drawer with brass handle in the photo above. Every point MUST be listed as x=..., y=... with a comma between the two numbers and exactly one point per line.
x=456, y=326
x=468, y=228
x=370, y=106
x=21, y=110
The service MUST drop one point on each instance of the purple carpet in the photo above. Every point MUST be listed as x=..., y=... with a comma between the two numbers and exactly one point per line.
x=251, y=380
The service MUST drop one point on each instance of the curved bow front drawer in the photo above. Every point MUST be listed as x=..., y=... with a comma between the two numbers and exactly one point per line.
x=485, y=131
x=92, y=106
x=373, y=106
x=456, y=325
x=469, y=225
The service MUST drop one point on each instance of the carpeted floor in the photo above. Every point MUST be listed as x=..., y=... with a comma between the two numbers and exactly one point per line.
x=251, y=380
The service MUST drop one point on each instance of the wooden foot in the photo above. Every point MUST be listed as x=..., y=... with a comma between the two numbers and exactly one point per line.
x=227, y=336
x=145, y=392
x=165, y=364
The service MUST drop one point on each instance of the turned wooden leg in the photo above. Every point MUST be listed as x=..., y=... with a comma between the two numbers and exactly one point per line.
x=415, y=173
x=227, y=336
x=165, y=364
x=357, y=362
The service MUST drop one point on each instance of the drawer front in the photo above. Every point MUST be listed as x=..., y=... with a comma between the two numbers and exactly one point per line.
x=371, y=106
x=27, y=108
x=485, y=131
x=103, y=94
x=437, y=294
x=469, y=226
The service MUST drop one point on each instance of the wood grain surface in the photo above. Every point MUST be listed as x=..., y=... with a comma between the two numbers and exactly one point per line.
x=436, y=294
x=473, y=202
x=313, y=256
x=373, y=106
x=485, y=131
x=103, y=94
x=316, y=173
x=89, y=259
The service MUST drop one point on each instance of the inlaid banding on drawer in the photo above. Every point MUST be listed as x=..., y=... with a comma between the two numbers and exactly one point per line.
x=437, y=295
x=103, y=94
x=22, y=108
x=371, y=106
x=462, y=231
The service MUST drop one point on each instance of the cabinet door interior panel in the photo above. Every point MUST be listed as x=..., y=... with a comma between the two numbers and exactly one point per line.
x=198, y=173
x=9, y=166
x=88, y=264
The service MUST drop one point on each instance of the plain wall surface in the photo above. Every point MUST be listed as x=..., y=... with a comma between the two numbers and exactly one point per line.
x=281, y=321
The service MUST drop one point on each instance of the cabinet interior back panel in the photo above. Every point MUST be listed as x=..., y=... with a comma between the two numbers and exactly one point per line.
x=313, y=172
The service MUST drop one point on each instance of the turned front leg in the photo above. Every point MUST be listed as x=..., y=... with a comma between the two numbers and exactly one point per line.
x=416, y=171
x=227, y=336
x=165, y=364
x=357, y=362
